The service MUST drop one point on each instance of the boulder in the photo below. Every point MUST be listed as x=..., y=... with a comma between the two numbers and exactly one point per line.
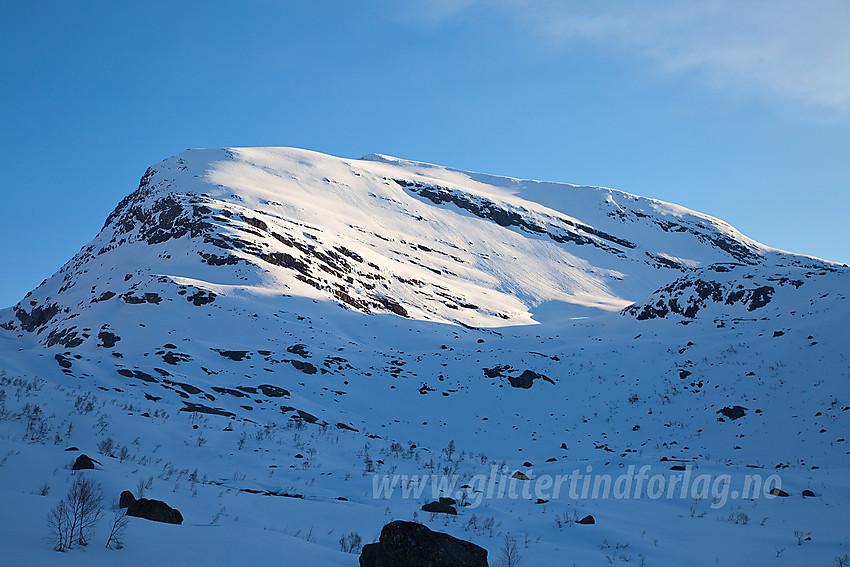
x=440, y=507
x=155, y=510
x=408, y=544
x=587, y=520
x=778, y=492
x=84, y=462
x=809, y=493
x=126, y=499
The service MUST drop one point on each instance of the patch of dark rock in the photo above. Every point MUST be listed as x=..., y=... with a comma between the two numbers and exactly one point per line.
x=200, y=408
x=809, y=494
x=63, y=361
x=229, y=392
x=107, y=339
x=146, y=298
x=214, y=260
x=305, y=367
x=526, y=379
x=587, y=520
x=408, y=544
x=138, y=374
x=308, y=417
x=154, y=510
x=299, y=349
x=106, y=295
x=273, y=391
x=237, y=355
x=201, y=297
x=439, y=507
x=65, y=337
x=733, y=412
x=496, y=371
x=37, y=317
x=778, y=492
x=188, y=388
x=174, y=358
x=389, y=304
x=341, y=425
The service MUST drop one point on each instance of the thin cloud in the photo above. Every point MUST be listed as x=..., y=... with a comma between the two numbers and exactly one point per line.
x=798, y=51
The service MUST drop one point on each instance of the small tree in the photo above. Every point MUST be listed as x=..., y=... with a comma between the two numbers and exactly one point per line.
x=73, y=520
x=510, y=553
x=449, y=450
x=119, y=526
x=351, y=543
x=84, y=498
x=58, y=521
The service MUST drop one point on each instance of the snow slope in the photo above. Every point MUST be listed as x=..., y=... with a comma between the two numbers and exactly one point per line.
x=259, y=322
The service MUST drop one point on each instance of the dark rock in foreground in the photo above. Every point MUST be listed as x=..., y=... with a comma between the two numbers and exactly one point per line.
x=126, y=499
x=155, y=510
x=407, y=544
x=83, y=462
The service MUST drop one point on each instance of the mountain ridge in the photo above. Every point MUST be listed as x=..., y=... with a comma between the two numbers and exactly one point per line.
x=296, y=327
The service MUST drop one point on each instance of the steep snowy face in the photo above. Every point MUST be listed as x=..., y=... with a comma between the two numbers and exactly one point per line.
x=376, y=235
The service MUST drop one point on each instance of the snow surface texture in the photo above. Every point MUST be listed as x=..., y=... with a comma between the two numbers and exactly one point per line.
x=261, y=331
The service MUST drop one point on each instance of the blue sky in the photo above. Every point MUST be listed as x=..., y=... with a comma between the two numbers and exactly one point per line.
x=737, y=109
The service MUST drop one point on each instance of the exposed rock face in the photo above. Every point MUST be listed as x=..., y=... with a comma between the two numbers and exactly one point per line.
x=155, y=510
x=558, y=229
x=407, y=544
x=722, y=285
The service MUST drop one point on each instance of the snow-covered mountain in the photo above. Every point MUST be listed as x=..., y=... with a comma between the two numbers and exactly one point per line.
x=287, y=322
